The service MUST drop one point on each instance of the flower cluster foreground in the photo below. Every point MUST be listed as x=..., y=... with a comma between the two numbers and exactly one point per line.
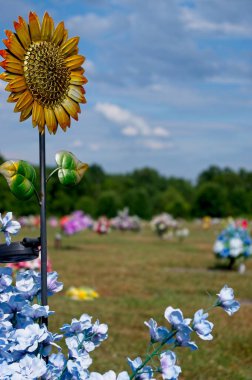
x=25, y=341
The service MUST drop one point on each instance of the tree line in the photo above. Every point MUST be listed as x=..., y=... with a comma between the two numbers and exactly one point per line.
x=217, y=192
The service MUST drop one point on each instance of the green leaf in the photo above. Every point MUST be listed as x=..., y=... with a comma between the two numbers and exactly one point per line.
x=20, y=177
x=71, y=170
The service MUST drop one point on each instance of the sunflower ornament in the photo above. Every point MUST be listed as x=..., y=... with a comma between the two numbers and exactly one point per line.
x=44, y=74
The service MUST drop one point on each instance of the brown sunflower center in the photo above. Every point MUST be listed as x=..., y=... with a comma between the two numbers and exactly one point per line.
x=46, y=74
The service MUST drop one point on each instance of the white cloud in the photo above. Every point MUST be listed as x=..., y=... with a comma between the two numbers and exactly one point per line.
x=161, y=132
x=130, y=131
x=89, y=25
x=132, y=124
x=157, y=145
x=89, y=67
x=195, y=22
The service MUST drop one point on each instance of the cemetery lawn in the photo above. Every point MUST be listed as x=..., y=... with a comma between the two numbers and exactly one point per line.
x=137, y=276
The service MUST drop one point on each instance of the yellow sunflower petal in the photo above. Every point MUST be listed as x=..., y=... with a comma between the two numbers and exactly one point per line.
x=79, y=70
x=7, y=77
x=58, y=34
x=75, y=51
x=23, y=32
x=74, y=61
x=26, y=113
x=12, y=65
x=65, y=37
x=77, y=78
x=71, y=107
x=13, y=45
x=51, y=120
x=34, y=25
x=47, y=28
x=69, y=46
x=13, y=98
x=62, y=117
x=38, y=117
x=76, y=93
x=24, y=101
x=17, y=85
x=41, y=123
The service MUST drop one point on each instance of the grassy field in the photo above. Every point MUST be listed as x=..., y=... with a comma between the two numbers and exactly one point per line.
x=137, y=277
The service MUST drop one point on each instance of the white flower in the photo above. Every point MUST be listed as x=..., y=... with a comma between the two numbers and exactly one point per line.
x=236, y=247
x=218, y=246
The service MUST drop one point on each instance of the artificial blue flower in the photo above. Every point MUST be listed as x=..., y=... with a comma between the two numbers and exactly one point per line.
x=3, y=315
x=110, y=375
x=55, y=367
x=5, y=328
x=202, y=327
x=28, y=368
x=9, y=226
x=75, y=345
x=134, y=364
x=7, y=293
x=77, y=325
x=36, y=311
x=47, y=344
x=6, y=371
x=233, y=242
x=77, y=369
x=183, y=338
x=53, y=286
x=145, y=373
x=169, y=369
x=175, y=317
x=14, y=305
x=157, y=334
x=4, y=348
x=226, y=300
x=28, y=339
x=5, y=278
x=99, y=333
x=28, y=283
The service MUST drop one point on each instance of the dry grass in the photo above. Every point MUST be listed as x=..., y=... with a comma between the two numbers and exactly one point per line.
x=138, y=276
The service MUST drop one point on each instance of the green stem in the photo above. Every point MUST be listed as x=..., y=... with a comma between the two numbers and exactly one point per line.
x=52, y=173
x=37, y=196
x=210, y=308
x=155, y=352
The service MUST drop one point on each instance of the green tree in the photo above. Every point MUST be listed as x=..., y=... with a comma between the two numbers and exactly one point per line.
x=175, y=204
x=239, y=200
x=108, y=204
x=86, y=204
x=211, y=199
x=139, y=203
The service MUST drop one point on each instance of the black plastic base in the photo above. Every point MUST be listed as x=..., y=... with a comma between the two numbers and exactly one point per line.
x=16, y=252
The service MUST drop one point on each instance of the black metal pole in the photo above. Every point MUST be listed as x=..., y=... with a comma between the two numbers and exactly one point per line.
x=43, y=235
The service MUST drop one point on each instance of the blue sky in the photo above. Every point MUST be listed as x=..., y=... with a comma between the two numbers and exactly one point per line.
x=169, y=85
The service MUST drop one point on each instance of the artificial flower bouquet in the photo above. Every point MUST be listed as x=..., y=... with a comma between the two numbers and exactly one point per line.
x=233, y=243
